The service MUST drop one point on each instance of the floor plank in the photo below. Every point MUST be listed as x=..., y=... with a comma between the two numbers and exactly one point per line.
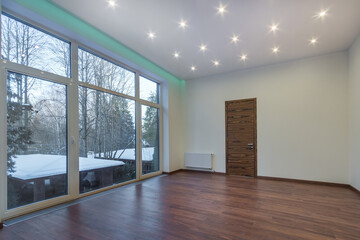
x=191, y=205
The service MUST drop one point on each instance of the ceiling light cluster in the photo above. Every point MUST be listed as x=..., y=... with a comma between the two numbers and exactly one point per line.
x=216, y=63
x=203, y=47
x=275, y=50
x=235, y=39
x=151, y=35
x=274, y=28
x=221, y=10
x=183, y=24
x=243, y=57
x=112, y=3
x=176, y=54
x=322, y=14
x=313, y=41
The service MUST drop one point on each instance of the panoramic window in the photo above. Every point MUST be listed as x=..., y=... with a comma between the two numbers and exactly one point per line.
x=26, y=45
x=107, y=139
x=92, y=127
x=106, y=123
x=97, y=71
x=36, y=140
x=150, y=139
x=149, y=90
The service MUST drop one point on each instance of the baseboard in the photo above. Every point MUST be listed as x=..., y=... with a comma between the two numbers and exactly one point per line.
x=354, y=189
x=193, y=170
x=202, y=171
x=343, y=185
x=304, y=181
x=169, y=173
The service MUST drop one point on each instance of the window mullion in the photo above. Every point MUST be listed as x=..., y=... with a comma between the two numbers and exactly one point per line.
x=33, y=72
x=87, y=85
x=73, y=127
x=151, y=104
x=138, y=128
x=3, y=144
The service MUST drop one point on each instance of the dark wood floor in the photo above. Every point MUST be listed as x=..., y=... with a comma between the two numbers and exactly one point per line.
x=190, y=205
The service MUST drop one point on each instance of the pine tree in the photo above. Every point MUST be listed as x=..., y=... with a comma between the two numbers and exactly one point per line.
x=150, y=135
x=18, y=136
x=150, y=125
x=127, y=130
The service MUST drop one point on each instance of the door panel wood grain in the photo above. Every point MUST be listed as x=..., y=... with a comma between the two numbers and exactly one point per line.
x=241, y=146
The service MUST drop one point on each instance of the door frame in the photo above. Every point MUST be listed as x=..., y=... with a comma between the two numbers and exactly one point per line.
x=255, y=133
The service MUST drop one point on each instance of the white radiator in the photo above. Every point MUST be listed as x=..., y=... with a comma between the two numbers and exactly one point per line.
x=198, y=160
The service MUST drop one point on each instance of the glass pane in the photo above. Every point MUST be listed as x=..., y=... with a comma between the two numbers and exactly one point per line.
x=149, y=90
x=99, y=72
x=36, y=140
x=23, y=44
x=150, y=139
x=107, y=139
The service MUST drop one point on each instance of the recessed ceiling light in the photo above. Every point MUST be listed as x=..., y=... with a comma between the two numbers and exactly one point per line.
x=274, y=28
x=313, y=41
x=176, y=54
x=235, y=39
x=183, y=24
x=216, y=63
x=112, y=3
x=193, y=68
x=275, y=50
x=322, y=14
x=23, y=55
x=203, y=47
x=221, y=9
x=151, y=35
x=243, y=57
x=36, y=47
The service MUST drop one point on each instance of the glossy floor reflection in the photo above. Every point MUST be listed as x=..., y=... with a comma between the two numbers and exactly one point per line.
x=189, y=205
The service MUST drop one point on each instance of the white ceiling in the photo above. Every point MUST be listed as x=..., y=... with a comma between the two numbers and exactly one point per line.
x=131, y=20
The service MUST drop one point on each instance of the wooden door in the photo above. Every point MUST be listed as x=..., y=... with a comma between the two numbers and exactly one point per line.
x=241, y=144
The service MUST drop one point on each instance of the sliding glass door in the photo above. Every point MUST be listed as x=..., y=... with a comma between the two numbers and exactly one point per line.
x=150, y=139
x=107, y=129
x=107, y=139
x=150, y=125
x=36, y=140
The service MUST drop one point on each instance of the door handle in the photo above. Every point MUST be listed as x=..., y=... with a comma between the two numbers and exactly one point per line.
x=251, y=148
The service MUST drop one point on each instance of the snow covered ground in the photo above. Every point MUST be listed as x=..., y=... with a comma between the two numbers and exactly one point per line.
x=41, y=165
x=129, y=154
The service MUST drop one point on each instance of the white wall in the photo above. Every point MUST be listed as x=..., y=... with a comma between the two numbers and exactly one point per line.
x=302, y=117
x=354, y=113
x=173, y=125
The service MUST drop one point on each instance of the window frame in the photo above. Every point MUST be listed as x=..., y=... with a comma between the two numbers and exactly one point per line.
x=7, y=67
x=44, y=30
x=72, y=84
x=157, y=89
x=110, y=60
